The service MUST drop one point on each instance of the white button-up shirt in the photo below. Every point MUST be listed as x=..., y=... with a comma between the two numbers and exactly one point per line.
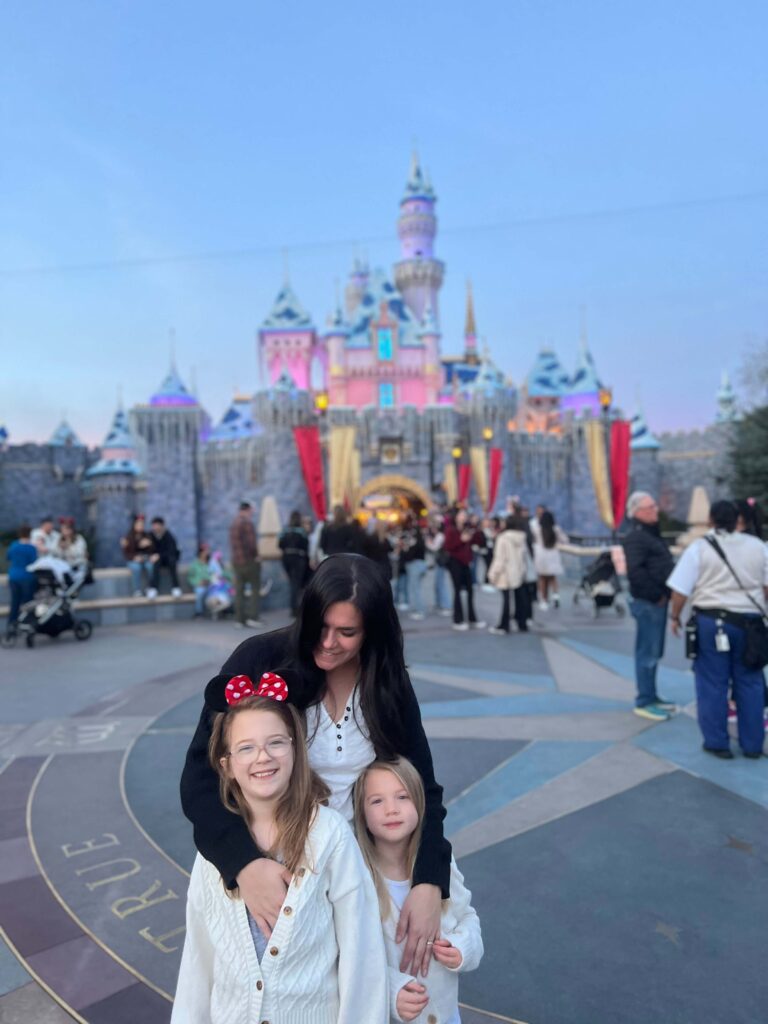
x=338, y=751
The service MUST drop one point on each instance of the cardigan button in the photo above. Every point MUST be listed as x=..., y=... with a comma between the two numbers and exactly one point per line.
x=338, y=749
x=274, y=951
x=431, y=1019
x=259, y=986
x=287, y=911
x=301, y=872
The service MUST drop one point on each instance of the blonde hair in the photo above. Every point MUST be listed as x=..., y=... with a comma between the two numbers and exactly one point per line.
x=406, y=774
x=296, y=808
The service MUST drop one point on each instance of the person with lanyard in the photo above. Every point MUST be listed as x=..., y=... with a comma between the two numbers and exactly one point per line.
x=725, y=577
x=342, y=659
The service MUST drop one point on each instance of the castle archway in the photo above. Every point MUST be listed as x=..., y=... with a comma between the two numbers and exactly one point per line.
x=392, y=496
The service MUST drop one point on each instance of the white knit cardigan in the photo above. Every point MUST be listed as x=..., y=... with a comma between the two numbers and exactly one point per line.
x=324, y=963
x=459, y=924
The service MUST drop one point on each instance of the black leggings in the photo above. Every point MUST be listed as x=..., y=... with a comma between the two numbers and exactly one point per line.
x=461, y=577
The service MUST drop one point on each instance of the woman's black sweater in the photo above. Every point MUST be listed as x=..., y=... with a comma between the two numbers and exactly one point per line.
x=224, y=839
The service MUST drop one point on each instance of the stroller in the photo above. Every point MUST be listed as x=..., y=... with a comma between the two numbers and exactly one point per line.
x=50, y=610
x=600, y=584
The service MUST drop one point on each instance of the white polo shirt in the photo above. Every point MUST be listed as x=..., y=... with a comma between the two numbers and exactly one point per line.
x=703, y=576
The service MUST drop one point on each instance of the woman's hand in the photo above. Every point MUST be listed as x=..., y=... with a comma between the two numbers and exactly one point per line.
x=446, y=954
x=419, y=925
x=263, y=884
x=411, y=1000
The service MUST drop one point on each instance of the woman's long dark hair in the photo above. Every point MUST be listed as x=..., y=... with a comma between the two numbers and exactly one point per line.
x=548, y=535
x=384, y=686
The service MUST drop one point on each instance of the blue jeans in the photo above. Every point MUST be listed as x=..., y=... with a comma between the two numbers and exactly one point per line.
x=139, y=573
x=415, y=572
x=21, y=592
x=401, y=586
x=442, y=593
x=714, y=670
x=649, y=647
x=200, y=593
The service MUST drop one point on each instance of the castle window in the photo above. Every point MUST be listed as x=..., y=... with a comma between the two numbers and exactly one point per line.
x=384, y=335
x=386, y=395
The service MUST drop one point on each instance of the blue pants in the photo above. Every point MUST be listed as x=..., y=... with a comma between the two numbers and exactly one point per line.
x=714, y=670
x=649, y=647
x=21, y=592
x=415, y=573
x=442, y=592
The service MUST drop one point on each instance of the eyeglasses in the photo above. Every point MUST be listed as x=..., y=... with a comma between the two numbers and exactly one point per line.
x=277, y=748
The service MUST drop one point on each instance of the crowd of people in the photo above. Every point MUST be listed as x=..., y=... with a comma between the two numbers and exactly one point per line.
x=64, y=545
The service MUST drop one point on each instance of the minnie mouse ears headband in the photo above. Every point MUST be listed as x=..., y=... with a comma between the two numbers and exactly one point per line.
x=270, y=685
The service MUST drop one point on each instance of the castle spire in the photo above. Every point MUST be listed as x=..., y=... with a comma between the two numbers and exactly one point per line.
x=470, y=328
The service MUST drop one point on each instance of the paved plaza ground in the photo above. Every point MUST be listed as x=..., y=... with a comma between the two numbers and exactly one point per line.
x=618, y=871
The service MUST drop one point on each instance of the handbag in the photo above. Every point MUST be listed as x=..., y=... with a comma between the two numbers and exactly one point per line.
x=442, y=558
x=755, y=631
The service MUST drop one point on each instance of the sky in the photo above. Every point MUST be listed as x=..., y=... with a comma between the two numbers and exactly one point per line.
x=163, y=166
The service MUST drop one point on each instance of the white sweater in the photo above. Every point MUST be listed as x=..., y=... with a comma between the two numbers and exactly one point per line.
x=324, y=963
x=461, y=926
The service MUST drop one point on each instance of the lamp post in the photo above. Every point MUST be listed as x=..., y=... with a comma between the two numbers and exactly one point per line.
x=487, y=438
x=456, y=453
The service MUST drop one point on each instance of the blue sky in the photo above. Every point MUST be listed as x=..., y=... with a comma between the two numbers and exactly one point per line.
x=160, y=164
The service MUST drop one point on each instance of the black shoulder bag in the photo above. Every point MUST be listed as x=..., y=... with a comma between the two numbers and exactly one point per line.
x=756, y=640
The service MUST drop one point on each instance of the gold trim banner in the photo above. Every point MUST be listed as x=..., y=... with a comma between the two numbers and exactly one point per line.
x=450, y=483
x=480, y=473
x=341, y=449
x=598, y=467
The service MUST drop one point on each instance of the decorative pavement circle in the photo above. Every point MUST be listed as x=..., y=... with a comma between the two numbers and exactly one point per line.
x=617, y=870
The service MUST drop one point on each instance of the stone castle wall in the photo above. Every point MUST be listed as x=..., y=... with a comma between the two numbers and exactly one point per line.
x=38, y=480
x=693, y=458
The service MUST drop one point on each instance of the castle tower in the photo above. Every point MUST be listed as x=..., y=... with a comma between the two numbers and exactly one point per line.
x=111, y=490
x=335, y=339
x=583, y=391
x=170, y=429
x=644, y=471
x=429, y=335
x=287, y=340
x=356, y=286
x=470, y=330
x=418, y=275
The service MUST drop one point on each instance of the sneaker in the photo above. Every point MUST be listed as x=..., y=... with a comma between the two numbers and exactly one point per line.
x=416, y=616
x=445, y=612
x=664, y=704
x=652, y=712
x=176, y=592
x=151, y=593
x=543, y=606
x=497, y=631
x=461, y=626
x=403, y=607
x=254, y=623
x=555, y=600
x=477, y=625
x=138, y=593
x=265, y=588
x=723, y=754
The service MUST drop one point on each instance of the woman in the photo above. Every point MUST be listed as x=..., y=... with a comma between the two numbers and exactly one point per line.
x=343, y=661
x=71, y=546
x=294, y=545
x=415, y=564
x=546, y=555
x=459, y=536
x=507, y=573
x=137, y=546
x=379, y=548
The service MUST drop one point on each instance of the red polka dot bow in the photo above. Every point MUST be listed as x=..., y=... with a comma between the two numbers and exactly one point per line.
x=271, y=685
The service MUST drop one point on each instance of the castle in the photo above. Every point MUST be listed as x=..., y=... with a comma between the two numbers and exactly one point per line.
x=416, y=416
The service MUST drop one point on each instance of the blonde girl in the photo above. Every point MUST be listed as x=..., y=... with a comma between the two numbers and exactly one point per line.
x=389, y=812
x=324, y=962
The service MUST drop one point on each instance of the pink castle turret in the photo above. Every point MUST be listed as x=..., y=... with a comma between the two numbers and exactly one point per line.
x=418, y=275
x=287, y=340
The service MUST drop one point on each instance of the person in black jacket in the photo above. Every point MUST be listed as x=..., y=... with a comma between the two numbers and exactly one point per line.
x=294, y=545
x=342, y=657
x=166, y=555
x=649, y=563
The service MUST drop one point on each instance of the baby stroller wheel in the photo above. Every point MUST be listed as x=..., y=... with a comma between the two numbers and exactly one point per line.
x=575, y=597
x=29, y=639
x=83, y=629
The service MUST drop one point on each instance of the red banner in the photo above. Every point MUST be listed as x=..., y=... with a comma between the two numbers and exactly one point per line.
x=465, y=478
x=620, y=458
x=494, y=476
x=311, y=457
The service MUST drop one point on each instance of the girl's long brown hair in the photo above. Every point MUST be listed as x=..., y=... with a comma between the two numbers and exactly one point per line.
x=404, y=771
x=296, y=808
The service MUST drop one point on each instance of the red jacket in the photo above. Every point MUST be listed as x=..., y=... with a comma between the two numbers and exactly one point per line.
x=457, y=548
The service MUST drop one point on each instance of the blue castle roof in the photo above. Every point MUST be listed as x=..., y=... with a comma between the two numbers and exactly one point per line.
x=118, y=453
x=429, y=325
x=418, y=185
x=547, y=378
x=287, y=312
x=585, y=380
x=65, y=437
x=380, y=290
x=237, y=423
x=640, y=436
x=173, y=391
